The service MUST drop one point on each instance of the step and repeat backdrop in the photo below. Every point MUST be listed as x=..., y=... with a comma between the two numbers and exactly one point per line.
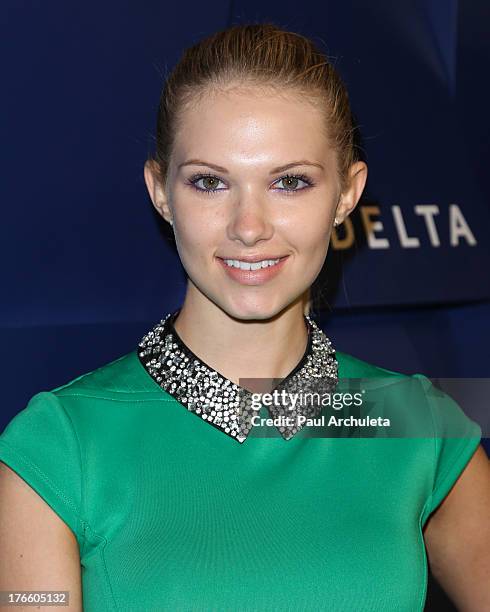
x=81, y=243
x=87, y=263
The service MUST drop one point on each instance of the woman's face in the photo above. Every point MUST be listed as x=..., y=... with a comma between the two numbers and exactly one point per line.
x=252, y=177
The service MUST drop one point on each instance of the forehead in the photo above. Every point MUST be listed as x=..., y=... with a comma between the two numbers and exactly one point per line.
x=252, y=124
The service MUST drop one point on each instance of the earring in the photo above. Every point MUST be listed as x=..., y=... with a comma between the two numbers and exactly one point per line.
x=337, y=223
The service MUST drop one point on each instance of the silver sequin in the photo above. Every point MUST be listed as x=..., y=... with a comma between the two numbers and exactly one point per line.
x=221, y=402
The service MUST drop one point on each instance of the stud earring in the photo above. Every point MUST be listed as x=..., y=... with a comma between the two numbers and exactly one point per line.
x=336, y=223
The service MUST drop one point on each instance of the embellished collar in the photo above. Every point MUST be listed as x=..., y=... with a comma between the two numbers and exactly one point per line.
x=222, y=403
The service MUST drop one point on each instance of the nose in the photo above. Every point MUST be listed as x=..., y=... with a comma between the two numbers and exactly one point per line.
x=249, y=219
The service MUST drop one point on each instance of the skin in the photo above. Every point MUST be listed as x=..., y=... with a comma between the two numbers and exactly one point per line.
x=39, y=552
x=457, y=538
x=242, y=330
x=258, y=331
x=255, y=331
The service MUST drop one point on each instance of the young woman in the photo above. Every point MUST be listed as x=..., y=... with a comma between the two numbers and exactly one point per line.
x=140, y=485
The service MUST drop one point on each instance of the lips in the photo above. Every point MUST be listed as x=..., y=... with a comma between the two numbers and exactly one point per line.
x=252, y=258
x=253, y=277
x=251, y=265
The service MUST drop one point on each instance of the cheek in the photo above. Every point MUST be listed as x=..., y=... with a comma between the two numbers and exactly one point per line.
x=195, y=236
x=313, y=237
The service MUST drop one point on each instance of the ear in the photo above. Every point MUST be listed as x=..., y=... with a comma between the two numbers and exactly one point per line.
x=155, y=189
x=350, y=197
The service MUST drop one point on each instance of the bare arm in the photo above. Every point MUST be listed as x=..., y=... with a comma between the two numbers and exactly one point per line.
x=457, y=537
x=38, y=551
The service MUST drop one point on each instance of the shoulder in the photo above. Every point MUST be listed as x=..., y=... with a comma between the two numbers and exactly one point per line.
x=64, y=416
x=87, y=423
x=96, y=400
x=122, y=377
x=413, y=398
x=354, y=367
x=387, y=393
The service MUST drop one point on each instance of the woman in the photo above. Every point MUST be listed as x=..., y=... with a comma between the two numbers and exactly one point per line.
x=146, y=472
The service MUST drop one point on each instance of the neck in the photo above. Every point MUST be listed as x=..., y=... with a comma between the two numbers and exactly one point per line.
x=236, y=348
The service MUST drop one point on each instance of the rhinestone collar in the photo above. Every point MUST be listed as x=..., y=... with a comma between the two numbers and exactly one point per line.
x=219, y=401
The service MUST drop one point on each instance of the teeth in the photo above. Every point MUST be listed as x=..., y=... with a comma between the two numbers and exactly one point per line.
x=245, y=265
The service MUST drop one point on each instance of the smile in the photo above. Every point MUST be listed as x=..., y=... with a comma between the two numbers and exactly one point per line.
x=247, y=265
x=252, y=272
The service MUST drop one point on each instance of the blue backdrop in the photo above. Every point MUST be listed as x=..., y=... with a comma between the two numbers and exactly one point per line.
x=87, y=264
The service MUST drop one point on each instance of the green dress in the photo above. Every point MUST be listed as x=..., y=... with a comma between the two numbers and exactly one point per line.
x=172, y=512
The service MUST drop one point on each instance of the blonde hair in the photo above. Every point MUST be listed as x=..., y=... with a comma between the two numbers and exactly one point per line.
x=259, y=55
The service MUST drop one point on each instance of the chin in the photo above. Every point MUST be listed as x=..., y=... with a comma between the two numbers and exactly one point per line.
x=252, y=309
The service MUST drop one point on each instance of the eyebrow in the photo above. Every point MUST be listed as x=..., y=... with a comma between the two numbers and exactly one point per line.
x=301, y=162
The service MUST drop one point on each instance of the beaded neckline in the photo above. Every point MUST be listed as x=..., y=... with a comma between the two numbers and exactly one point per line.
x=219, y=401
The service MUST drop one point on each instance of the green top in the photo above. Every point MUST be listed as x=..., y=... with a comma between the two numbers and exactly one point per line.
x=170, y=513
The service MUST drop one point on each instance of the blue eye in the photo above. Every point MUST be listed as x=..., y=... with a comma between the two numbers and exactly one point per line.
x=292, y=180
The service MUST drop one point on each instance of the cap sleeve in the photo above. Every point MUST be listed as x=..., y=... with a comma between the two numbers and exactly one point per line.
x=456, y=438
x=41, y=446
